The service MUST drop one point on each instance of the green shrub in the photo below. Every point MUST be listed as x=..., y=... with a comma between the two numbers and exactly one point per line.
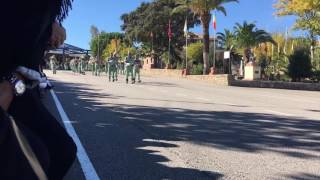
x=165, y=57
x=285, y=77
x=316, y=76
x=197, y=69
x=181, y=65
x=300, y=65
x=195, y=53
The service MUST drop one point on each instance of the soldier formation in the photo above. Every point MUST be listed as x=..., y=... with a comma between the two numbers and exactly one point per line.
x=113, y=66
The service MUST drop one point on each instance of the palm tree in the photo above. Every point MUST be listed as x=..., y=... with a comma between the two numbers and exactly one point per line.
x=249, y=36
x=227, y=39
x=202, y=9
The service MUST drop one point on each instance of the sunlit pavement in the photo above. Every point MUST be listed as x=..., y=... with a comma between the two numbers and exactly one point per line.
x=169, y=129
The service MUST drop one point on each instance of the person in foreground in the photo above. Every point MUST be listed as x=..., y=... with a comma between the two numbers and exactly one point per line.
x=29, y=28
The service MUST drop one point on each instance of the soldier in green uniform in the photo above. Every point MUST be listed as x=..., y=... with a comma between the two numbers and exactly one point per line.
x=129, y=68
x=53, y=64
x=91, y=65
x=73, y=65
x=121, y=67
x=113, y=67
x=136, y=69
x=78, y=65
x=96, y=68
x=106, y=66
x=65, y=64
x=82, y=65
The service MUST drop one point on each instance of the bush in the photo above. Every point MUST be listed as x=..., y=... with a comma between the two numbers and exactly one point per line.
x=316, y=76
x=165, y=57
x=197, y=69
x=300, y=65
x=195, y=53
x=181, y=66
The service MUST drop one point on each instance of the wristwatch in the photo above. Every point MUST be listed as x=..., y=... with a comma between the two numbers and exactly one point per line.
x=18, y=85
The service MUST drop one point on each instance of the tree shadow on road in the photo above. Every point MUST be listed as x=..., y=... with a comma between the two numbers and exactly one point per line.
x=238, y=131
x=313, y=110
x=304, y=176
x=226, y=130
x=118, y=149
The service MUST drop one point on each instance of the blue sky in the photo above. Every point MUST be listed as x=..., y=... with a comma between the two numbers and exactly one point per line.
x=105, y=14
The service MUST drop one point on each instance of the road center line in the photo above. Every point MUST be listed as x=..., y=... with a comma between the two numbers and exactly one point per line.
x=86, y=165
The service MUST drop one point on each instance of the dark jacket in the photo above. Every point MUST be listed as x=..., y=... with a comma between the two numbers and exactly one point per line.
x=25, y=31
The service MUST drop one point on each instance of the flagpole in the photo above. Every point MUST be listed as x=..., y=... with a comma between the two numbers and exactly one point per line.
x=152, y=44
x=98, y=58
x=186, y=53
x=286, y=44
x=169, y=53
x=169, y=35
x=186, y=34
x=272, y=51
x=214, y=50
x=152, y=41
x=214, y=44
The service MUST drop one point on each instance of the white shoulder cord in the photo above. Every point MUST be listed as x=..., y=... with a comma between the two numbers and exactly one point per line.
x=28, y=152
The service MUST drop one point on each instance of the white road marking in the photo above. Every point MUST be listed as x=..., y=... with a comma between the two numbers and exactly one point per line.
x=151, y=88
x=279, y=113
x=229, y=104
x=181, y=95
x=163, y=91
x=86, y=165
x=102, y=125
x=202, y=99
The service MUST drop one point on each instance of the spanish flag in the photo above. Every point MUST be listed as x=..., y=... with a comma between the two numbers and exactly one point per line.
x=214, y=22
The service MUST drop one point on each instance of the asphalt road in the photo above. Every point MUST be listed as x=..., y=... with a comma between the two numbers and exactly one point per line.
x=177, y=129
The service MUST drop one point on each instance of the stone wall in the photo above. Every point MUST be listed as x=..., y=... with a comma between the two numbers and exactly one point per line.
x=162, y=72
x=218, y=79
x=222, y=79
x=225, y=80
x=277, y=85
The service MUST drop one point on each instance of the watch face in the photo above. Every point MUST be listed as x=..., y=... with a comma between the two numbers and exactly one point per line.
x=20, y=87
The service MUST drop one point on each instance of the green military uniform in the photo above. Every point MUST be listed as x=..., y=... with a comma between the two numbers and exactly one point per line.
x=65, y=66
x=96, y=69
x=113, y=68
x=71, y=64
x=129, y=68
x=79, y=66
x=91, y=65
x=53, y=64
x=121, y=67
x=106, y=67
x=136, y=70
x=85, y=62
x=82, y=66
x=76, y=65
